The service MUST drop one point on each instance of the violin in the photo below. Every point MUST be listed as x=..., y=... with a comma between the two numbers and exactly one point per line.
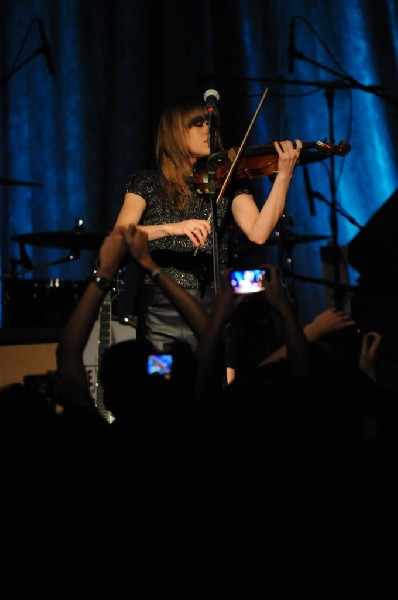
x=255, y=161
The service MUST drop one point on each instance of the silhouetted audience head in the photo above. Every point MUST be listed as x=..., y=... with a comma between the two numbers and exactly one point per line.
x=126, y=380
x=26, y=411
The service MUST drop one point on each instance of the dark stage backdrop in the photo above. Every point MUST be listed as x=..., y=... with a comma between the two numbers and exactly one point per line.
x=79, y=106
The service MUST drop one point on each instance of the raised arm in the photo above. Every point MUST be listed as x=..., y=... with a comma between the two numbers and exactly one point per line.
x=328, y=321
x=296, y=348
x=69, y=354
x=212, y=375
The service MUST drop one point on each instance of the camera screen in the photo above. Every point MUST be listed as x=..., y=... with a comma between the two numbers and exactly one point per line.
x=248, y=281
x=160, y=364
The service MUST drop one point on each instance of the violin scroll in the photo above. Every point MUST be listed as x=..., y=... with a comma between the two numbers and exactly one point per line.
x=342, y=149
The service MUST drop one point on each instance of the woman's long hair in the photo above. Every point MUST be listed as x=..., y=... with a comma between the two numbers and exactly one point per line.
x=172, y=154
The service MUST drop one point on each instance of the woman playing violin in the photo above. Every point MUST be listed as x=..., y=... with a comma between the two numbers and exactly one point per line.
x=165, y=203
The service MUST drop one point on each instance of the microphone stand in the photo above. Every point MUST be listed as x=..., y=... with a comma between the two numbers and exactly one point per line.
x=344, y=81
x=212, y=195
x=211, y=170
x=212, y=185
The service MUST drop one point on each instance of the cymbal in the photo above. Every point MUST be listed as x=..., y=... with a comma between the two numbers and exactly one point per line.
x=4, y=181
x=289, y=238
x=62, y=239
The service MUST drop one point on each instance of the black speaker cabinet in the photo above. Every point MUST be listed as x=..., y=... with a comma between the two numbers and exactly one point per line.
x=373, y=252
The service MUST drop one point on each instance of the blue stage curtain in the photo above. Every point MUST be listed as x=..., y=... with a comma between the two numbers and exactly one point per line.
x=75, y=135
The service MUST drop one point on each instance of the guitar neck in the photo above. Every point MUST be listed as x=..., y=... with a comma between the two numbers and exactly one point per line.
x=104, y=342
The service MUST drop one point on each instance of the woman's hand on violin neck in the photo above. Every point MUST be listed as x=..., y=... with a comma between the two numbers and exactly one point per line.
x=197, y=230
x=288, y=157
x=286, y=147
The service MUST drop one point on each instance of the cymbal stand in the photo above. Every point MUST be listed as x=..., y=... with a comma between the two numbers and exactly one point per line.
x=74, y=254
x=285, y=255
x=338, y=209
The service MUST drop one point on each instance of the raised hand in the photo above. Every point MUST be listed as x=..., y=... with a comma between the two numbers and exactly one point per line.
x=368, y=354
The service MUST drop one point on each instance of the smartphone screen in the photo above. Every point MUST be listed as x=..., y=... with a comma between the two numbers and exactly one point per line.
x=160, y=364
x=248, y=281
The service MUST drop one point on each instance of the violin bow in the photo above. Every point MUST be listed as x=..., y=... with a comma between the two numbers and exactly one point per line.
x=237, y=156
x=240, y=150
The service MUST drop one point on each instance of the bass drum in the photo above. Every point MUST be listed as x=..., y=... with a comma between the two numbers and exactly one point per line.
x=39, y=303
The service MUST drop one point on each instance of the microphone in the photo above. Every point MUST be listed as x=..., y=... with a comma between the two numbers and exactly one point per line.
x=310, y=193
x=46, y=48
x=211, y=97
x=291, y=49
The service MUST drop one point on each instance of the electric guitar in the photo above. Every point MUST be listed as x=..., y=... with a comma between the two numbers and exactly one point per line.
x=106, y=334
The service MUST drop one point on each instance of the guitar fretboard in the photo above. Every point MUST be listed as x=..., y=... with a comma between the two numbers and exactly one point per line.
x=104, y=342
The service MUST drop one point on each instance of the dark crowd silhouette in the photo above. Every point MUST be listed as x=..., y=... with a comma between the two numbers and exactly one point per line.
x=288, y=464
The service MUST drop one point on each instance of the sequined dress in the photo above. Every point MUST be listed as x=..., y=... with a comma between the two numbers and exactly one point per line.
x=176, y=254
x=158, y=321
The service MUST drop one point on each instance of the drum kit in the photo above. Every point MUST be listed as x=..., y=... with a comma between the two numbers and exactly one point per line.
x=64, y=294
x=44, y=303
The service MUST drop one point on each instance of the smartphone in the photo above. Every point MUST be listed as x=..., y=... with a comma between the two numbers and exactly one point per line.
x=248, y=281
x=160, y=364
